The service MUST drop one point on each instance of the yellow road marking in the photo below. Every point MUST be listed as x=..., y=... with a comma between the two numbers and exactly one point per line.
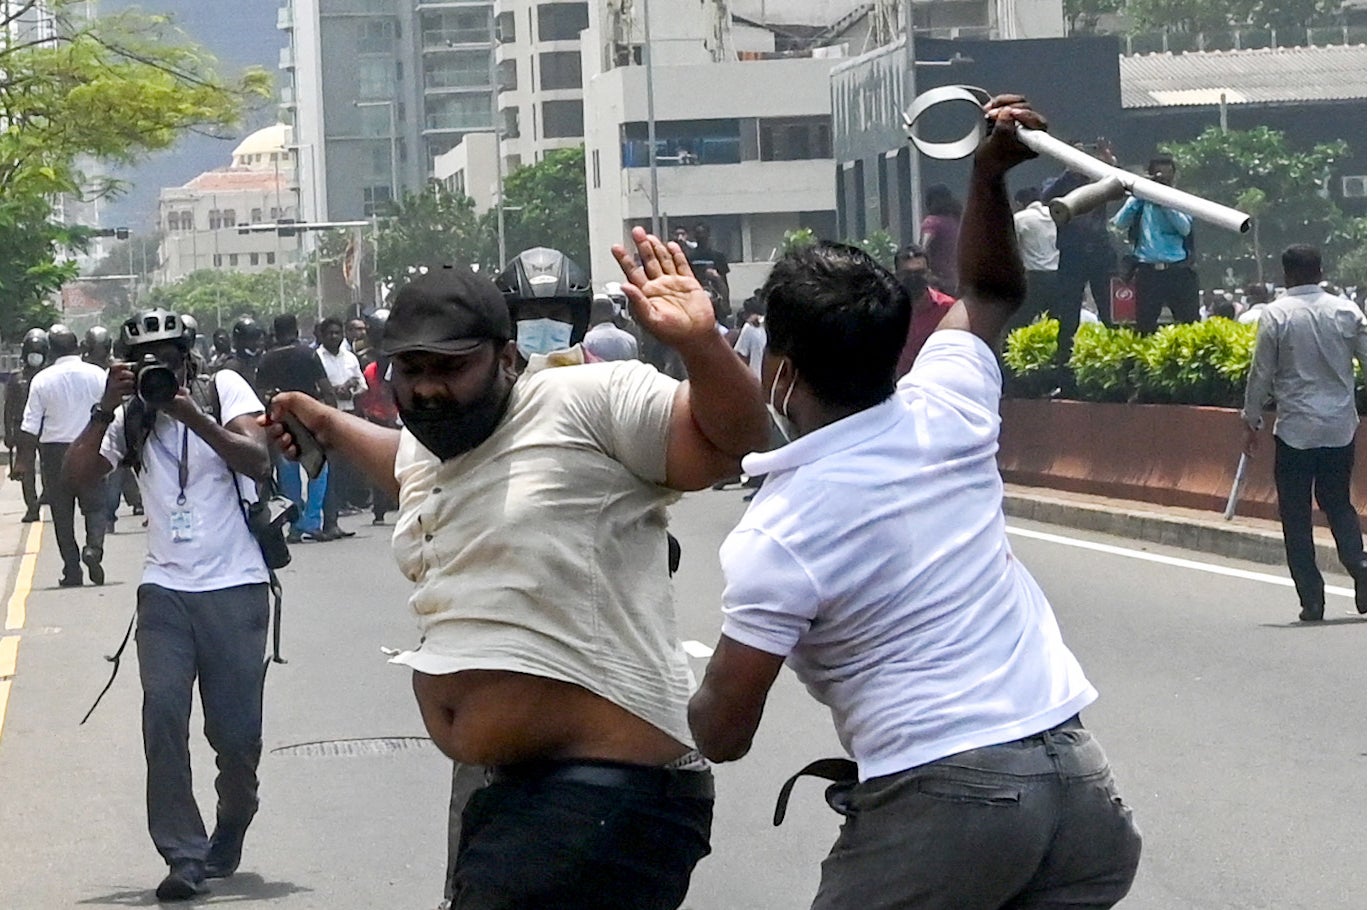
x=4, y=702
x=16, y=614
x=9, y=655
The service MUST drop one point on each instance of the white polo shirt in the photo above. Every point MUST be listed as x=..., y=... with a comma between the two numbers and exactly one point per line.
x=1037, y=238
x=221, y=552
x=60, y=399
x=875, y=557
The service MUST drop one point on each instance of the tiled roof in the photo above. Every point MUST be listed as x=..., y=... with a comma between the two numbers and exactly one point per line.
x=1282, y=74
x=238, y=179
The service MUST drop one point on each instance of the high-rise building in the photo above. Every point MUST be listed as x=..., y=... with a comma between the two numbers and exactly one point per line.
x=541, y=91
x=376, y=90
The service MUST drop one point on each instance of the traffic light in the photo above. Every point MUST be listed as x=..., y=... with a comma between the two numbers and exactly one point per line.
x=282, y=228
x=121, y=233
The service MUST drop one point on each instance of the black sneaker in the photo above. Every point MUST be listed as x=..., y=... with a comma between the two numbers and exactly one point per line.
x=1312, y=614
x=225, y=852
x=92, y=563
x=184, y=881
x=294, y=537
x=71, y=581
x=29, y=518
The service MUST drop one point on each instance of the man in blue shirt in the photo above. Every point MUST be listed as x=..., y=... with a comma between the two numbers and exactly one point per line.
x=1161, y=244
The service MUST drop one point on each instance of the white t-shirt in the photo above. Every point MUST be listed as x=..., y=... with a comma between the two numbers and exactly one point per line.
x=221, y=552
x=1037, y=238
x=342, y=367
x=543, y=550
x=60, y=399
x=875, y=558
x=750, y=344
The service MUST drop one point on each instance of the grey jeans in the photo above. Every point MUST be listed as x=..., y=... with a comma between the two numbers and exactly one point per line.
x=218, y=637
x=1033, y=823
x=62, y=500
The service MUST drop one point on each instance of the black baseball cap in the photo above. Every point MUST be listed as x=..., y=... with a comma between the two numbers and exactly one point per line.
x=447, y=310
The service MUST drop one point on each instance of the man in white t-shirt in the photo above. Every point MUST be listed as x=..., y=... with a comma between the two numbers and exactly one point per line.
x=875, y=561
x=344, y=489
x=751, y=340
x=532, y=523
x=203, y=601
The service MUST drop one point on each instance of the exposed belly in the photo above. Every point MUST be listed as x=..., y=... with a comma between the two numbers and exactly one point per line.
x=495, y=717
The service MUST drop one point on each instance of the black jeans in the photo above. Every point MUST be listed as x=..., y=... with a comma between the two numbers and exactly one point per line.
x=1086, y=269
x=534, y=840
x=1326, y=472
x=1174, y=287
x=62, y=498
x=218, y=637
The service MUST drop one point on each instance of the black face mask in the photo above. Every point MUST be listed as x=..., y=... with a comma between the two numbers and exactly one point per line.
x=914, y=283
x=447, y=428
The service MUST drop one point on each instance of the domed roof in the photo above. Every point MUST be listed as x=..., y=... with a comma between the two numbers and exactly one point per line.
x=262, y=143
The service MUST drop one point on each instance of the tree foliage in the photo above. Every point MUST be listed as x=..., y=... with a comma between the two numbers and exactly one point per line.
x=217, y=297
x=547, y=204
x=110, y=89
x=1285, y=186
x=1081, y=16
x=432, y=228
x=1214, y=15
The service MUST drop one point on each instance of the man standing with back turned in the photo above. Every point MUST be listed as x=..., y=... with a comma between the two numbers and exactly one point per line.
x=532, y=521
x=875, y=560
x=1304, y=360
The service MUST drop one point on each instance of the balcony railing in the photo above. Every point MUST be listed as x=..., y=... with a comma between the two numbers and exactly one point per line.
x=285, y=17
x=439, y=39
x=457, y=120
x=1237, y=39
x=287, y=58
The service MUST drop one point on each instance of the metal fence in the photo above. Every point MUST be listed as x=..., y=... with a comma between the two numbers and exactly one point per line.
x=1238, y=39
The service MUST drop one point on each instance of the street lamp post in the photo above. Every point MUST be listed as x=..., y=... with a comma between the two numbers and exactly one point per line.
x=317, y=213
x=650, y=115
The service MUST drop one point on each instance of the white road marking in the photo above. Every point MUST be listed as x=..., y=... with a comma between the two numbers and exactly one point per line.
x=697, y=649
x=1175, y=561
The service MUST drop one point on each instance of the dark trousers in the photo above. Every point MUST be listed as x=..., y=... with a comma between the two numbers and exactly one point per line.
x=1086, y=270
x=1041, y=290
x=218, y=637
x=28, y=484
x=1325, y=472
x=338, y=489
x=1174, y=287
x=62, y=499
x=1033, y=823
x=532, y=841
x=121, y=483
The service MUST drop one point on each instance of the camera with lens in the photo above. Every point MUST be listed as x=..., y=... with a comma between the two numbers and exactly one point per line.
x=156, y=381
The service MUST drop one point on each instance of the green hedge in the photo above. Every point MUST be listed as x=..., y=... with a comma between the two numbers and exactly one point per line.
x=1201, y=363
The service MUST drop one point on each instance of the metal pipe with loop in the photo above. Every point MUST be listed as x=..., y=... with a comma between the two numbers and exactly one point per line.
x=1111, y=181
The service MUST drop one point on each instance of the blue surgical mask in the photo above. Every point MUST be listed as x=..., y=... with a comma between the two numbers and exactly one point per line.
x=542, y=336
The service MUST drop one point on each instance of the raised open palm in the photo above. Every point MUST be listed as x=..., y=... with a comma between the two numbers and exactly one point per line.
x=666, y=299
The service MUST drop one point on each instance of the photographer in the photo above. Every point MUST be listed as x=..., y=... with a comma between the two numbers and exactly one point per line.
x=203, y=602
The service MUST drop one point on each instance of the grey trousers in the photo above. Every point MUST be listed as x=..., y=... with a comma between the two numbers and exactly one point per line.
x=218, y=637
x=62, y=499
x=1035, y=823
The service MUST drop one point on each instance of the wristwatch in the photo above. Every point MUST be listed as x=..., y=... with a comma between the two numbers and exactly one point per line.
x=100, y=415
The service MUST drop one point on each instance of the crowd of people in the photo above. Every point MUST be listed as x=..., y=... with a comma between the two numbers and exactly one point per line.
x=531, y=436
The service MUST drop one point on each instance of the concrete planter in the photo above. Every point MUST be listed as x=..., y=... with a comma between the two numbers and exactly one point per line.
x=1173, y=455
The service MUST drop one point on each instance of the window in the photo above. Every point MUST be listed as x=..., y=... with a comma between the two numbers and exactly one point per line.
x=375, y=120
x=276, y=213
x=505, y=29
x=373, y=79
x=215, y=221
x=684, y=142
x=254, y=258
x=795, y=139
x=256, y=216
x=507, y=75
x=450, y=28
x=218, y=261
x=560, y=69
x=229, y=218
x=597, y=176
x=270, y=258
x=380, y=161
x=172, y=221
x=187, y=221
x=376, y=200
x=511, y=116
x=232, y=260
x=377, y=36
x=459, y=69
x=458, y=112
x=562, y=21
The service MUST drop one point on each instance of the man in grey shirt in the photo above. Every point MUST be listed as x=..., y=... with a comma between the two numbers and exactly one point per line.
x=1304, y=361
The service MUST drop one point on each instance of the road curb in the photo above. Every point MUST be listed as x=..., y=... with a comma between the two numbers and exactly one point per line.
x=1214, y=536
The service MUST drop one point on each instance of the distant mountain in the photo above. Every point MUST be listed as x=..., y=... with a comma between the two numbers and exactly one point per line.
x=240, y=34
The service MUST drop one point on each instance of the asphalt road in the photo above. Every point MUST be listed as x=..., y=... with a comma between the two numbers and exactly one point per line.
x=1237, y=734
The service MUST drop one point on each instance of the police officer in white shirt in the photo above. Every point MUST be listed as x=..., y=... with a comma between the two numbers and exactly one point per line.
x=58, y=407
x=875, y=561
x=203, y=601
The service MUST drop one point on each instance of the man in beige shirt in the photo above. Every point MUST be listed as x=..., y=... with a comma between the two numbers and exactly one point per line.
x=533, y=525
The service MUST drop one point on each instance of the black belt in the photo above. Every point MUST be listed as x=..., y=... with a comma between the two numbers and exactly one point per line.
x=844, y=773
x=648, y=781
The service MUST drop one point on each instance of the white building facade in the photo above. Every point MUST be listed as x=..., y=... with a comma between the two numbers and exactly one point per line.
x=199, y=221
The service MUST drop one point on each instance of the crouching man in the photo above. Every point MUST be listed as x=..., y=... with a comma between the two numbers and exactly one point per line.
x=203, y=602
